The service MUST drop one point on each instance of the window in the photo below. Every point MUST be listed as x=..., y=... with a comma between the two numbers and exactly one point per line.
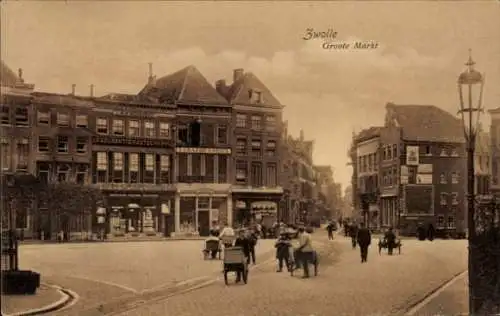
x=440, y=221
x=117, y=168
x=454, y=198
x=182, y=133
x=81, y=145
x=455, y=177
x=442, y=178
x=43, y=172
x=203, y=202
x=81, y=174
x=22, y=118
x=451, y=222
x=271, y=148
x=149, y=129
x=427, y=150
x=134, y=129
x=102, y=125
x=256, y=122
x=376, y=162
x=133, y=167
x=241, y=172
x=43, y=144
x=454, y=152
x=164, y=169
x=255, y=96
x=43, y=118
x=222, y=168
x=241, y=146
x=443, y=152
x=23, y=149
x=389, y=153
x=222, y=135
x=62, y=144
x=256, y=149
x=5, y=153
x=82, y=121
x=102, y=167
x=63, y=119
x=256, y=174
x=444, y=199
x=270, y=123
x=63, y=173
x=241, y=120
x=271, y=175
x=5, y=115
x=149, y=168
x=394, y=151
x=118, y=127
x=164, y=130
x=203, y=165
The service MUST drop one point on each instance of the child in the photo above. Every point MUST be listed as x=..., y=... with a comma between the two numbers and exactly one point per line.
x=282, y=246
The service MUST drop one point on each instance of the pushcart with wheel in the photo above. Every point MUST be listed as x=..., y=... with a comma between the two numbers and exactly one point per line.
x=235, y=261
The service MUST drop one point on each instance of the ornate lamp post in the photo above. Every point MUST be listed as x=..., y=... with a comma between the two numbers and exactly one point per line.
x=470, y=86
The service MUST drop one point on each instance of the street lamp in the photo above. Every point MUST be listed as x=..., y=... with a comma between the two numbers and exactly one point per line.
x=470, y=86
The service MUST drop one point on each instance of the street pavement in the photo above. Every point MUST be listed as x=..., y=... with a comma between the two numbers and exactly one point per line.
x=385, y=285
x=100, y=272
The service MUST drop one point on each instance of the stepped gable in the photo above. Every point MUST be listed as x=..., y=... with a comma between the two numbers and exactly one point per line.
x=239, y=91
x=426, y=123
x=187, y=85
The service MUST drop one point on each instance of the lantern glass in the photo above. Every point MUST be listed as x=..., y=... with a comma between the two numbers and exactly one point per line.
x=470, y=89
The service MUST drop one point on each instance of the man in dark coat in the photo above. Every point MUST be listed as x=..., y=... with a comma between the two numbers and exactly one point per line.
x=364, y=239
x=243, y=242
x=330, y=227
x=283, y=245
x=430, y=232
x=390, y=239
x=252, y=242
x=353, y=231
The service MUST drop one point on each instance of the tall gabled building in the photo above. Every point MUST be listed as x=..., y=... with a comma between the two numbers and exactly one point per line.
x=256, y=142
x=203, y=165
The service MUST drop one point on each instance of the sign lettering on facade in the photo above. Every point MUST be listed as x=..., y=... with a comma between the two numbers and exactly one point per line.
x=424, y=179
x=412, y=153
x=425, y=168
x=225, y=151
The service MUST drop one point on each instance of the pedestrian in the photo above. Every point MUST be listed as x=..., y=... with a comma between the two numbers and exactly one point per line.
x=244, y=243
x=215, y=230
x=282, y=246
x=364, y=239
x=353, y=231
x=226, y=235
x=390, y=240
x=305, y=252
x=252, y=242
x=329, y=228
x=431, y=232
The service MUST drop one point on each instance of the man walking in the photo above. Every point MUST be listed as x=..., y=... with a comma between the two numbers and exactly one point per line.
x=364, y=238
x=305, y=251
x=330, y=228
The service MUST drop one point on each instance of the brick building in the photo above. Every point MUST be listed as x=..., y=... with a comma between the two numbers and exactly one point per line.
x=256, y=142
x=421, y=168
x=202, y=164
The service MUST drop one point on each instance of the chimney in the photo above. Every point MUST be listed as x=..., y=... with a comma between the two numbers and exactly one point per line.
x=20, y=75
x=73, y=88
x=237, y=74
x=301, y=135
x=220, y=86
x=150, y=77
x=91, y=90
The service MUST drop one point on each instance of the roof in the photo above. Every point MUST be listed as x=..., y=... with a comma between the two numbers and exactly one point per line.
x=187, y=85
x=238, y=92
x=369, y=133
x=131, y=98
x=426, y=123
x=61, y=99
x=7, y=77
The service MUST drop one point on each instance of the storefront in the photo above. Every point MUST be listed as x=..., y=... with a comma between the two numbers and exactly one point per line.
x=256, y=205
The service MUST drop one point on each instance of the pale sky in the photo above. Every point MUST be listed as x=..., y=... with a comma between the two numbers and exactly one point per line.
x=422, y=49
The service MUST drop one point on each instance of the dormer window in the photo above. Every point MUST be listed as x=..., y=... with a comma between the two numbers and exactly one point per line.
x=255, y=97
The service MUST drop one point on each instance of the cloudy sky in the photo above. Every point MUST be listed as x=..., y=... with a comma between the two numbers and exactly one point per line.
x=422, y=47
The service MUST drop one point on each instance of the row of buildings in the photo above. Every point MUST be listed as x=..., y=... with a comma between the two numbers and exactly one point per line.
x=169, y=160
x=412, y=170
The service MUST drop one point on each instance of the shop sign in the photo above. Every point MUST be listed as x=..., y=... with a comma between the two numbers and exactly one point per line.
x=165, y=209
x=197, y=150
x=412, y=155
x=241, y=204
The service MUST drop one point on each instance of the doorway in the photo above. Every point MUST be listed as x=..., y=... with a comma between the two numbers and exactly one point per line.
x=204, y=222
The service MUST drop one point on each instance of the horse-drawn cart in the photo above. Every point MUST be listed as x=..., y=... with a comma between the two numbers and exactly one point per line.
x=235, y=261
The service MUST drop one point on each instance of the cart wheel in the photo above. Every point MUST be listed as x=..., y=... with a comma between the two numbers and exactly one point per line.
x=225, y=278
x=245, y=276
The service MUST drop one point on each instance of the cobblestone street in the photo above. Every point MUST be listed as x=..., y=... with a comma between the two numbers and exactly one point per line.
x=384, y=285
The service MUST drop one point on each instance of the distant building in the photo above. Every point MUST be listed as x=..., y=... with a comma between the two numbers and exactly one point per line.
x=330, y=193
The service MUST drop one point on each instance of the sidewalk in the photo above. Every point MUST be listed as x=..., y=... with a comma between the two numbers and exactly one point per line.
x=46, y=298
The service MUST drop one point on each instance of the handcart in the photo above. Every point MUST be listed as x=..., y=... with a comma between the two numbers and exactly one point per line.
x=235, y=261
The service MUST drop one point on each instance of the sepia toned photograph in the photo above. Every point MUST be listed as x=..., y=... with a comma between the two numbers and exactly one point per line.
x=250, y=158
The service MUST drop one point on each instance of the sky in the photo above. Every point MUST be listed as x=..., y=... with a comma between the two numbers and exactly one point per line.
x=328, y=93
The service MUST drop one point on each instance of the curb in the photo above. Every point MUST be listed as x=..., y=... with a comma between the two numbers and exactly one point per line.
x=67, y=297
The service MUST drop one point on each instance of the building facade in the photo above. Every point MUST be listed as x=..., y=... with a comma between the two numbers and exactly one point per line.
x=256, y=142
x=330, y=193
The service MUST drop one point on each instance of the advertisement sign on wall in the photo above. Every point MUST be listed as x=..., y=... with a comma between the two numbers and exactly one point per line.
x=424, y=179
x=412, y=153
